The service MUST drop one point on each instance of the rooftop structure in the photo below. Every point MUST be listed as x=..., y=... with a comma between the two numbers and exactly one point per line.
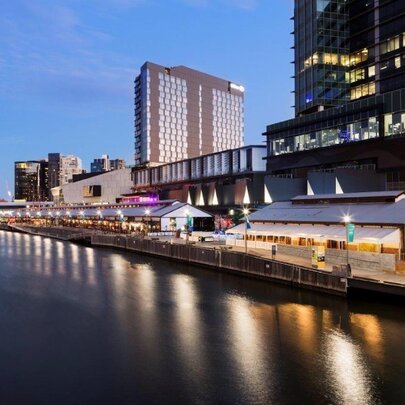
x=221, y=179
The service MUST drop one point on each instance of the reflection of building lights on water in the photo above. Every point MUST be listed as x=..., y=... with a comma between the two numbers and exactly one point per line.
x=347, y=371
x=248, y=348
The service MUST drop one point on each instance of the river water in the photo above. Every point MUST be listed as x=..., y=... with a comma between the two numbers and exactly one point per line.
x=84, y=325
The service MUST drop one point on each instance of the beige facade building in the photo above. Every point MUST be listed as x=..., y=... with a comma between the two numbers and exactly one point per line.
x=181, y=113
x=100, y=189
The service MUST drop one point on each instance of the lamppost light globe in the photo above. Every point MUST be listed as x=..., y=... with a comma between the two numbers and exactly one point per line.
x=347, y=219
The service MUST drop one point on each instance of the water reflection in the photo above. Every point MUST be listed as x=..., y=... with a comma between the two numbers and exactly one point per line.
x=250, y=351
x=170, y=331
x=189, y=329
x=347, y=370
x=305, y=320
x=369, y=327
x=91, y=266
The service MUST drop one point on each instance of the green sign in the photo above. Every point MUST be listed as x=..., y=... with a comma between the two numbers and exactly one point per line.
x=189, y=220
x=350, y=232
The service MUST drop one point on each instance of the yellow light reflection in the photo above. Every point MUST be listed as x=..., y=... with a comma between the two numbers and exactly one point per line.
x=368, y=328
x=47, y=247
x=75, y=262
x=189, y=329
x=248, y=348
x=37, y=245
x=146, y=280
x=305, y=319
x=91, y=267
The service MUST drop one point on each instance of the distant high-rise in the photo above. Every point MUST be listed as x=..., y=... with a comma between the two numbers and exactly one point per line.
x=62, y=168
x=105, y=164
x=181, y=113
x=117, y=164
x=100, y=164
x=31, y=180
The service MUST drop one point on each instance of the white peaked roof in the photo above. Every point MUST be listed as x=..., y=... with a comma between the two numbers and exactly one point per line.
x=182, y=210
x=332, y=232
x=392, y=213
x=360, y=195
x=176, y=210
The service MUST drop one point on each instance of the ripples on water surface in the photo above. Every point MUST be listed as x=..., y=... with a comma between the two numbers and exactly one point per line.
x=97, y=326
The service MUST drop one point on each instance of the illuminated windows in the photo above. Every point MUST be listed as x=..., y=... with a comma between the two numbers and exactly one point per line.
x=355, y=131
x=390, y=45
x=357, y=74
x=394, y=124
x=367, y=89
x=358, y=57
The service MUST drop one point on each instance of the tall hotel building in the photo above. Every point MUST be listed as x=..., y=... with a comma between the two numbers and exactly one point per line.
x=181, y=113
x=349, y=131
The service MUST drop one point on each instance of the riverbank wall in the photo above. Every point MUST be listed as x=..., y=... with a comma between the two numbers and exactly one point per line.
x=222, y=258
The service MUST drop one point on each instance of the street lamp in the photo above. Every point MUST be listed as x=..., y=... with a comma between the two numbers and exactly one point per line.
x=147, y=213
x=347, y=220
x=246, y=213
x=188, y=224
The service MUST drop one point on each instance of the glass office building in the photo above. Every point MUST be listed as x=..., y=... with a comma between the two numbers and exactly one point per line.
x=346, y=50
x=349, y=92
x=321, y=54
x=31, y=181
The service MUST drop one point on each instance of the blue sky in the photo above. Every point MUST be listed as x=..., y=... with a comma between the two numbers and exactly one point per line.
x=67, y=68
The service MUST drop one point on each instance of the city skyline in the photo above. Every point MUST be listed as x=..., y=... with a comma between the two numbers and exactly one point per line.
x=67, y=72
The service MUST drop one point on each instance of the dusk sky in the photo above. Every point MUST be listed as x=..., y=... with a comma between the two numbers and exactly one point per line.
x=67, y=68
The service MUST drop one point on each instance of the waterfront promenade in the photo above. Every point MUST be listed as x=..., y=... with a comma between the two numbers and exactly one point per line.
x=257, y=263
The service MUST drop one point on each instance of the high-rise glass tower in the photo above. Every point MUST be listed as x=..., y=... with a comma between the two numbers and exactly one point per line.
x=346, y=50
x=349, y=97
x=321, y=54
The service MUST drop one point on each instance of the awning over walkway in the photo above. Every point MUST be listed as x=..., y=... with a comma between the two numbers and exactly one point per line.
x=333, y=232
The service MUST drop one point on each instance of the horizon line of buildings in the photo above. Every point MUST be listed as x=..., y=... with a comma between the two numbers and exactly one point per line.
x=34, y=179
x=347, y=134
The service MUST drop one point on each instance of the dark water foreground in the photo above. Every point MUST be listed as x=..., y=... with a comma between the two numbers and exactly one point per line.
x=83, y=325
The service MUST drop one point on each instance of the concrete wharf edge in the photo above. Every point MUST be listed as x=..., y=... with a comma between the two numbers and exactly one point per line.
x=223, y=259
